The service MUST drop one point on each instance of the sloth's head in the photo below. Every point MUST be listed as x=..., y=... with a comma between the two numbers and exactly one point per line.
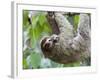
x=48, y=42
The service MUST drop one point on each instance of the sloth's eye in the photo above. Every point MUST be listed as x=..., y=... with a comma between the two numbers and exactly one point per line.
x=57, y=37
x=49, y=39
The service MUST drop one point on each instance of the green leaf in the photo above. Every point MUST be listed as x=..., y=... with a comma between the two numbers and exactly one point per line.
x=38, y=30
x=35, y=60
x=25, y=66
x=42, y=19
x=35, y=20
x=47, y=28
x=26, y=53
x=76, y=21
x=31, y=36
x=25, y=17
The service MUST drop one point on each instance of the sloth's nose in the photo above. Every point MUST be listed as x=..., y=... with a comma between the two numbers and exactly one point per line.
x=55, y=40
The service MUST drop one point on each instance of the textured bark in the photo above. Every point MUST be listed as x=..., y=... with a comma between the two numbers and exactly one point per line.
x=70, y=48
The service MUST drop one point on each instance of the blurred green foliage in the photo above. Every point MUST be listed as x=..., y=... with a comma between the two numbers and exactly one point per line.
x=32, y=34
x=76, y=20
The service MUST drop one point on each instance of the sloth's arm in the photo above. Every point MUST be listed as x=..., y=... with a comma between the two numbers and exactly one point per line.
x=82, y=40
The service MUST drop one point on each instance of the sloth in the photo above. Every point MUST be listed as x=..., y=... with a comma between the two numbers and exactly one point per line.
x=64, y=47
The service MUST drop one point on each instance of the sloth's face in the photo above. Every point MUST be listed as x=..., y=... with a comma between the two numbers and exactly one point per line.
x=48, y=43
